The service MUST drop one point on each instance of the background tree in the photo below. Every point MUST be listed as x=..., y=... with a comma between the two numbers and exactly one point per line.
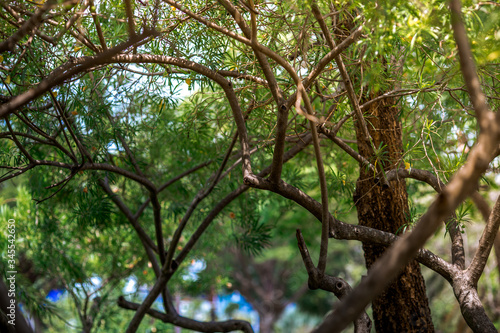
x=379, y=82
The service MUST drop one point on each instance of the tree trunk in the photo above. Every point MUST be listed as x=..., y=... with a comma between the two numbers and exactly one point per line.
x=404, y=306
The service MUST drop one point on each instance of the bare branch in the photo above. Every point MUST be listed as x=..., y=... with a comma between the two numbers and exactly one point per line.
x=168, y=271
x=130, y=217
x=468, y=67
x=65, y=72
x=345, y=76
x=98, y=26
x=130, y=17
x=281, y=122
x=28, y=26
x=202, y=194
x=339, y=287
x=354, y=154
x=341, y=230
x=485, y=210
x=485, y=244
x=175, y=319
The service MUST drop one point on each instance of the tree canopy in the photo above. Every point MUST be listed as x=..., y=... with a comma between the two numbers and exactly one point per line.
x=270, y=142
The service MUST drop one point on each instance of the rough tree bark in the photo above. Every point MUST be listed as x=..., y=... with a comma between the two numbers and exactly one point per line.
x=404, y=306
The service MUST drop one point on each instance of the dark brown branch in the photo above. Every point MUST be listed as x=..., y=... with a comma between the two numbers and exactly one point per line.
x=281, y=123
x=354, y=154
x=341, y=230
x=26, y=135
x=69, y=23
x=54, y=143
x=277, y=159
x=32, y=23
x=462, y=184
x=485, y=211
x=175, y=319
x=96, y=166
x=339, y=287
x=345, y=76
x=202, y=194
x=143, y=236
x=239, y=75
x=65, y=72
x=21, y=325
x=5, y=177
x=18, y=144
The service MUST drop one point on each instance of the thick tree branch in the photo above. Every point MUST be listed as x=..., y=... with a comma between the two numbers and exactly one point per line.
x=65, y=72
x=130, y=17
x=457, y=243
x=388, y=266
x=341, y=230
x=461, y=185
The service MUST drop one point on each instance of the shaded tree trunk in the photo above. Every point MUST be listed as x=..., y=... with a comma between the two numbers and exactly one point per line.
x=404, y=306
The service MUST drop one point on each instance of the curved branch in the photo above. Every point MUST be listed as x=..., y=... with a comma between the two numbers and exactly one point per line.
x=167, y=272
x=94, y=166
x=219, y=79
x=341, y=230
x=345, y=147
x=65, y=72
x=343, y=72
x=485, y=210
x=457, y=242
x=191, y=324
x=485, y=244
x=339, y=287
x=468, y=67
x=388, y=266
